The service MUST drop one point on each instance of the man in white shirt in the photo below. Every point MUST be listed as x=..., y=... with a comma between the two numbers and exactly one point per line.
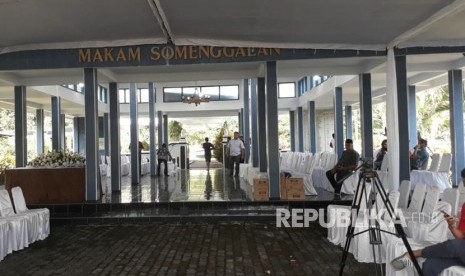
x=235, y=151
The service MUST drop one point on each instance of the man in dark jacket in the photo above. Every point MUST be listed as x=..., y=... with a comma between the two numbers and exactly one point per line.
x=346, y=164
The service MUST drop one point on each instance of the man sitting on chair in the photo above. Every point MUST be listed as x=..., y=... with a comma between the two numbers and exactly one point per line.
x=442, y=255
x=346, y=164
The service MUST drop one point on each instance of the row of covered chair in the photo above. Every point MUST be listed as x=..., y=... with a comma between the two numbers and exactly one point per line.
x=424, y=223
x=20, y=226
x=105, y=166
x=437, y=174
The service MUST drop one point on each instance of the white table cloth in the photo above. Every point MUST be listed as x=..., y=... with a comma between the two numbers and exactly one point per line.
x=438, y=180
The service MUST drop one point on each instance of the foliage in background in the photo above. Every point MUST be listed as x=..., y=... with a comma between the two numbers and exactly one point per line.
x=174, y=130
x=7, y=162
x=218, y=151
x=284, y=133
x=433, y=118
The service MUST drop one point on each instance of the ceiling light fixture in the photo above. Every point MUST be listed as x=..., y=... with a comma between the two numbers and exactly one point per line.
x=196, y=98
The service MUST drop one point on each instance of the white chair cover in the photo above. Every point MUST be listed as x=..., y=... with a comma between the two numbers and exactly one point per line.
x=42, y=213
x=243, y=167
x=418, y=197
x=306, y=174
x=446, y=162
x=404, y=191
x=336, y=234
x=361, y=247
x=431, y=201
x=434, y=162
x=385, y=164
x=451, y=196
x=4, y=238
x=18, y=238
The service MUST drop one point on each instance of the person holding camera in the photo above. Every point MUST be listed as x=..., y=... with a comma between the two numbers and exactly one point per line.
x=420, y=157
x=345, y=165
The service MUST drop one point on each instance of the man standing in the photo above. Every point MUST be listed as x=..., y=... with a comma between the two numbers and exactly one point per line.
x=419, y=159
x=235, y=151
x=207, y=147
x=346, y=164
x=163, y=156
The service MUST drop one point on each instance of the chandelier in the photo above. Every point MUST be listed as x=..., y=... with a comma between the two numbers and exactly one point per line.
x=196, y=98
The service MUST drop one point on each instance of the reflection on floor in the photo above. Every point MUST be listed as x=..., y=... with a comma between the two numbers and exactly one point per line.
x=197, y=185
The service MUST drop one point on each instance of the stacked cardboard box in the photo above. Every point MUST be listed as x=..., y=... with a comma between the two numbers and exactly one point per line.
x=292, y=188
x=261, y=190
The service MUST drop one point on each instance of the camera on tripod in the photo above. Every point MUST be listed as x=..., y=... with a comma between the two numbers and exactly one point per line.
x=367, y=165
x=367, y=168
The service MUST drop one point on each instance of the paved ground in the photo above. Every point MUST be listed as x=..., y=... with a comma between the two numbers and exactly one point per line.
x=181, y=249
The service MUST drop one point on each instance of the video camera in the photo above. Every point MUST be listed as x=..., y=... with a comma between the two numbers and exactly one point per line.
x=367, y=165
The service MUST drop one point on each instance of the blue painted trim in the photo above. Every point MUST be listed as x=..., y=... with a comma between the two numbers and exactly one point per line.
x=412, y=117
x=152, y=55
x=292, y=128
x=428, y=50
x=300, y=128
x=312, y=125
x=152, y=113
x=56, y=110
x=160, y=128
x=40, y=130
x=165, y=130
x=456, y=124
x=115, y=153
x=261, y=107
x=134, y=114
x=106, y=133
x=366, y=115
x=246, y=111
x=348, y=112
x=91, y=126
x=20, y=126
x=272, y=128
x=402, y=108
x=254, y=119
x=62, y=132
x=241, y=121
x=338, y=122
x=76, y=133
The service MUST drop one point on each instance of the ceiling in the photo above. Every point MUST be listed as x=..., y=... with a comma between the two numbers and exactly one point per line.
x=318, y=24
x=324, y=24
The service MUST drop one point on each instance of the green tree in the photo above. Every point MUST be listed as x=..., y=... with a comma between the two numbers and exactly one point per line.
x=218, y=151
x=284, y=132
x=174, y=130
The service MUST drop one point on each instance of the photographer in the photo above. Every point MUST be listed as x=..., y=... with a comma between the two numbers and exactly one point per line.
x=345, y=165
x=420, y=157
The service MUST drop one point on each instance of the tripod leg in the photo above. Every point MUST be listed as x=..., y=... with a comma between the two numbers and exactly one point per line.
x=350, y=230
x=401, y=233
x=399, y=230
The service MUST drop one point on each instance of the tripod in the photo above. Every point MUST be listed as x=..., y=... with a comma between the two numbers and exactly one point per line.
x=375, y=230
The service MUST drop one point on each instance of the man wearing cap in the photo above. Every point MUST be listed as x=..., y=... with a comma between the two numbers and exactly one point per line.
x=346, y=164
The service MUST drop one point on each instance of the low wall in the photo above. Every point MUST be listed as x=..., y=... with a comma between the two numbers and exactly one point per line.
x=49, y=185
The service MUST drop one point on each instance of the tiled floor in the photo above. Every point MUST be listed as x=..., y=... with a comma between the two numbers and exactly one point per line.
x=182, y=249
x=190, y=185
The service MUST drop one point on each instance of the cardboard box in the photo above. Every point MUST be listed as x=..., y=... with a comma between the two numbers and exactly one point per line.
x=283, y=186
x=261, y=189
x=294, y=189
